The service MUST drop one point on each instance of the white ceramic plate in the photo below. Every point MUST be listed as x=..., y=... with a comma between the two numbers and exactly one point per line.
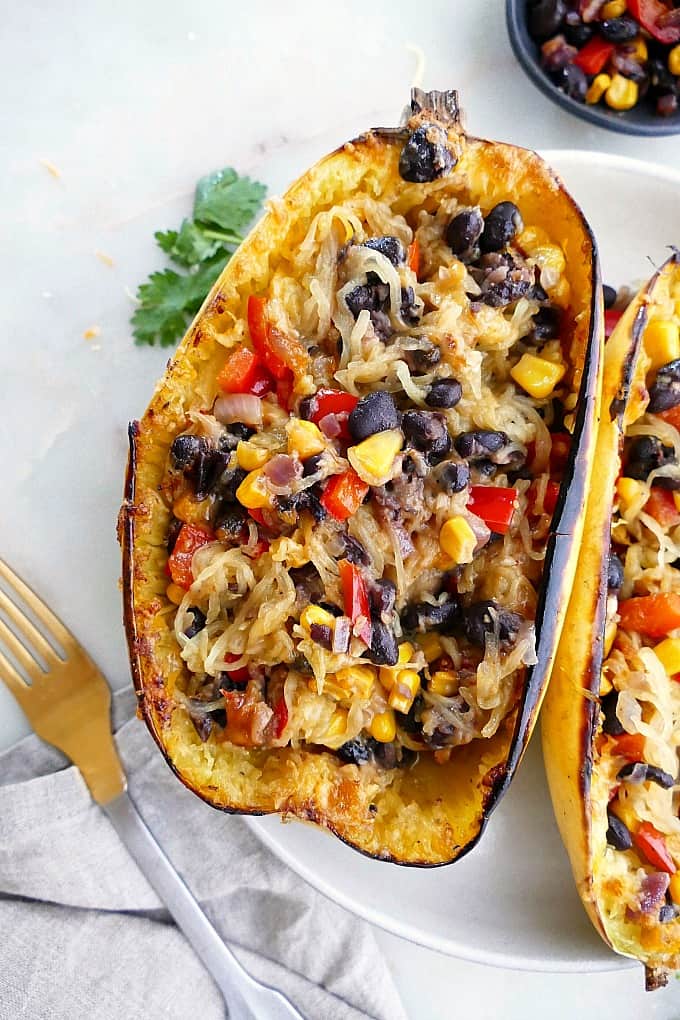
x=512, y=901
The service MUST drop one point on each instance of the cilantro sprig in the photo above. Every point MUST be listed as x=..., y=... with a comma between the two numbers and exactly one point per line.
x=224, y=206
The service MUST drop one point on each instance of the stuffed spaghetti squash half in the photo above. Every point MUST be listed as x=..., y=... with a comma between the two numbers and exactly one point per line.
x=354, y=503
x=611, y=720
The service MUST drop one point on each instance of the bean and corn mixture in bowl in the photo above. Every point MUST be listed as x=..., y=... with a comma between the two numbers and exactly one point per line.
x=360, y=519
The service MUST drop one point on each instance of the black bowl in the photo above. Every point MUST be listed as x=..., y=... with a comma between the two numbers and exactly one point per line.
x=640, y=120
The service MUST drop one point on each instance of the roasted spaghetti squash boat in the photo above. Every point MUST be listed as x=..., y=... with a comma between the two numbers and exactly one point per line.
x=354, y=504
x=611, y=720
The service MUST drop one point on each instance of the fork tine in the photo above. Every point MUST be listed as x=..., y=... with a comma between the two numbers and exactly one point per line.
x=13, y=679
x=20, y=653
x=20, y=620
x=37, y=606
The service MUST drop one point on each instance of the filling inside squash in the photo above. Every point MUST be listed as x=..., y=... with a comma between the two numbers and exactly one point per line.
x=636, y=768
x=359, y=517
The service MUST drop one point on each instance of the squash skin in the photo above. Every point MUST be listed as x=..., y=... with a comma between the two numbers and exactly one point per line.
x=569, y=720
x=441, y=810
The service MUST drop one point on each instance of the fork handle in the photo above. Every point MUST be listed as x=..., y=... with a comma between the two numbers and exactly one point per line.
x=239, y=989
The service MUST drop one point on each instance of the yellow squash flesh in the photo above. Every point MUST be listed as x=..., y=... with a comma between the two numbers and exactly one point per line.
x=569, y=719
x=431, y=814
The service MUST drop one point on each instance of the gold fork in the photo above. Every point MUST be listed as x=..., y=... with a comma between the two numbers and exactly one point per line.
x=68, y=703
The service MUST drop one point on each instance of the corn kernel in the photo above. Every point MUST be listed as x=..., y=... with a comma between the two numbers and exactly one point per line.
x=191, y=510
x=531, y=238
x=384, y=727
x=458, y=540
x=316, y=614
x=605, y=685
x=613, y=9
x=406, y=686
x=622, y=94
x=358, y=680
x=175, y=593
x=629, y=492
x=550, y=256
x=304, y=438
x=637, y=49
x=250, y=457
x=251, y=492
x=536, y=375
x=623, y=810
x=676, y=309
x=337, y=724
x=444, y=682
x=431, y=645
x=668, y=654
x=674, y=60
x=373, y=459
x=387, y=674
x=662, y=342
x=674, y=887
x=597, y=89
x=609, y=636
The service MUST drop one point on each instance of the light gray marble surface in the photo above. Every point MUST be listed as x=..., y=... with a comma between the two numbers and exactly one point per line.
x=132, y=102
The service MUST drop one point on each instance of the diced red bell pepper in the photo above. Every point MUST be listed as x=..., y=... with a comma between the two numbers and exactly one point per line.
x=243, y=372
x=672, y=416
x=661, y=506
x=284, y=390
x=280, y=717
x=559, y=451
x=191, y=537
x=662, y=22
x=280, y=354
x=413, y=256
x=257, y=516
x=630, y=746
x=654, y=615
x=240, y=675
x=611, y=320
x=335, y=402
x=343, y=495
x=652, y=844
x=594, y=55
x=494, y=504
x=356, y=599
x=552, y=491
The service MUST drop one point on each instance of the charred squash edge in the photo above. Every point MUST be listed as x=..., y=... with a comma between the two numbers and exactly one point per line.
x=562, y=546
x=569, y=721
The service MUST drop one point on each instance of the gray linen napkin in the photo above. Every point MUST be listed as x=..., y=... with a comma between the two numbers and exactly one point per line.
x=84, y=935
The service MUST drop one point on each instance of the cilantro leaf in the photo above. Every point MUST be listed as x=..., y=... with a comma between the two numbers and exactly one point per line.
x=227, y=200
x=224, y=206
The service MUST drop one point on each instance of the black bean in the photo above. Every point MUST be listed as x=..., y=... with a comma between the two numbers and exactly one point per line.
x=480, y=443
x=661, y=81
x=454, y=477
x=372, y=297
x=240, y=430
x=306, y=408
x=640, y=772
x=355, y=752
x=231, y=519
x=614, y=573
x=427, y=431
x=668, y=912
x=575, y=31
x=383, y=650
x=422, y=616
x=645, y=454
x=426, y=155
x=502, y=223
x=228, y=481
x=211, y=473
x=198, y=622
x=409, y=310
x=665, y=391
x=546, y=17
x=219, y=716
x=667, y=105
x=611, y=724
x=618, y=835
x=422, y=359
x=629, y=67
x=354, y=550
x=382, y=595
x=503, y=278
x=375, y=412
x=174, y=528
x=545, y=324
x=331, y=608
x=306, y=499
x=572, y=80
x=186, y=449
x=463, y=233
x=312, y=465
x=385, y=754
x=322, y=635
x=610, y=295
x=411, y=721
x=618, y=30
x=390, y=247
x=225, y=682
x=444, y=393
x=487, y=617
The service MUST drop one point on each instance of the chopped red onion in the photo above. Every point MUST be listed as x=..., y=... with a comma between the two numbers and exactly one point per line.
x=238, y=407
x=652, y=890
x=281, y=470
x=330, y=426
x=341, y=634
